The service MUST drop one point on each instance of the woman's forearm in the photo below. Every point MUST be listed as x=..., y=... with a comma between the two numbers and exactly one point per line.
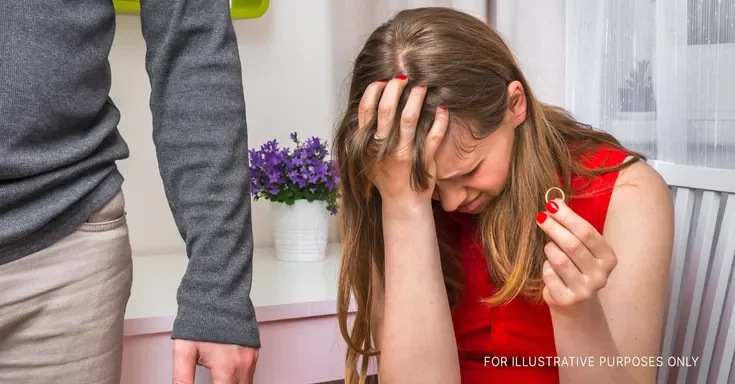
x=584, y=338
x=417, y=338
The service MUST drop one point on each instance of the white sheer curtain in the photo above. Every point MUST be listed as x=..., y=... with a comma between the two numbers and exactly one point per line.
x=660, y=75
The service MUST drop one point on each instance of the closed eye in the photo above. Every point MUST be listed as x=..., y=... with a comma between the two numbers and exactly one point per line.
x=463, y=176
x=472, y=172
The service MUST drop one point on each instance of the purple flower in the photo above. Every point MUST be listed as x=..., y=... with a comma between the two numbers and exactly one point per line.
x=293, y=176
x=285, y=174
x=254, y=187
x=320, y=171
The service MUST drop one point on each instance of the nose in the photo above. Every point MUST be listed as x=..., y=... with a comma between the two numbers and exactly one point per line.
x=451, y=197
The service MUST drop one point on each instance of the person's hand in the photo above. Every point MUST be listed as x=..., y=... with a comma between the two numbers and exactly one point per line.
x=578, y=259
x=227, y=363
x=392, y=177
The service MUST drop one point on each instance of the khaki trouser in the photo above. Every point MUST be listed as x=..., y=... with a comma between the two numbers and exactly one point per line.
x=62, y=308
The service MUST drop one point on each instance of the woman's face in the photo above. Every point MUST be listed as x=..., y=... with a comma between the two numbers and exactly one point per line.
x=471, y=172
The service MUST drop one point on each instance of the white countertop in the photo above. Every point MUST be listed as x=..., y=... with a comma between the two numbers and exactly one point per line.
x=281, y=290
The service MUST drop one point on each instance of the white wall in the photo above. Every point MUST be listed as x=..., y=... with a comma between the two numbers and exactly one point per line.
x=289, y=84
x=296, y=61
x=535, y=32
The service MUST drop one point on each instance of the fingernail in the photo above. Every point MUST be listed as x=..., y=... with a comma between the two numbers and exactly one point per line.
x=547, y=243
x=401, y=77
x=541, y=217
x=552, y=207
x=443, y=108
x=383, y=80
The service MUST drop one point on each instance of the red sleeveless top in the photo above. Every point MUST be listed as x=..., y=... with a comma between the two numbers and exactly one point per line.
x=514, y=343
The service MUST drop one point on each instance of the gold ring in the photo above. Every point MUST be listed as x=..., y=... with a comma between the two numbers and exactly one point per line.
x=546, y=197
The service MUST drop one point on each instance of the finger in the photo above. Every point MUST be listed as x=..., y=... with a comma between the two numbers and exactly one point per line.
x=388, y=105
x=563, y=266
x=369, y=103
x=580, y=228
x=410, y=116
x=558, y=291
x=436, y=134
x=568, y=244
x=185, y=360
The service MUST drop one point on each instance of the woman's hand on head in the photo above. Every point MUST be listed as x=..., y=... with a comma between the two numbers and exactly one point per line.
x=578, y=258
x=392, y=176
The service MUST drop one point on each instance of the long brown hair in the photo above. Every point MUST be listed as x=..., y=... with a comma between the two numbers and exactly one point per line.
x=466, y=67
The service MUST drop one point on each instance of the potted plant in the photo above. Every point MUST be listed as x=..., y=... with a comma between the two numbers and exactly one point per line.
x=302, y=185
x=637, y=99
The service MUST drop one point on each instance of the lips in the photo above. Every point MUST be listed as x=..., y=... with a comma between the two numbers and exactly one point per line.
x=471, y=206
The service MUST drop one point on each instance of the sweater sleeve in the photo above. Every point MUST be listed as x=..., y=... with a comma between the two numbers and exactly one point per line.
x=200, y=135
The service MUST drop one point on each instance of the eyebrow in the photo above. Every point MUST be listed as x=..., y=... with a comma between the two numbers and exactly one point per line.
x=446, y=178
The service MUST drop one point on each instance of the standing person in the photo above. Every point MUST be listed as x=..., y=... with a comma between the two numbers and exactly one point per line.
x=65, y=258
x=487, y=235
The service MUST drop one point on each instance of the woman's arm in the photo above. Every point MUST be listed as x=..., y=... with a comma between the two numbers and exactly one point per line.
x=415, y=330
x=625, y=318
x=416, y=335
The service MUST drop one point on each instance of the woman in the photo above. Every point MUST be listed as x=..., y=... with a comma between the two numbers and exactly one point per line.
x=464, y=262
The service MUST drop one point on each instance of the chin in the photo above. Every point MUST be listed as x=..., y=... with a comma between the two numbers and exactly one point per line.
x=486, y=200
x=479, y=210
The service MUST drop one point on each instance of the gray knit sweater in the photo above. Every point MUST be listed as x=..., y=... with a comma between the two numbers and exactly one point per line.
x=59, y=142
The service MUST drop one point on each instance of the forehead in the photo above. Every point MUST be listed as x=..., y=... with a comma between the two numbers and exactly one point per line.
x=459, y=149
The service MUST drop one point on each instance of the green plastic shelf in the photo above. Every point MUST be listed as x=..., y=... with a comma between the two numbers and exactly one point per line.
x=239, y=9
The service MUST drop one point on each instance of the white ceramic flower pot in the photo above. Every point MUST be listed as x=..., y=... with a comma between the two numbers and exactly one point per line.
x=300, y=231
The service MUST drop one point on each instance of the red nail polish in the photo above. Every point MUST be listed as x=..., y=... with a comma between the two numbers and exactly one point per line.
x=552, y=207
x=401, y=77
x=541, y=217
x=443, y=108
x=383, y=80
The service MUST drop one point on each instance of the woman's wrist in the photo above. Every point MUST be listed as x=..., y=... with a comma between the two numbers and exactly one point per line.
x=588, y=309
x=586, y=321
x=406, y=208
